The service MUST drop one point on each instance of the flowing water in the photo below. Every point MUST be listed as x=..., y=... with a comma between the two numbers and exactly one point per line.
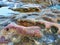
x=5, y=13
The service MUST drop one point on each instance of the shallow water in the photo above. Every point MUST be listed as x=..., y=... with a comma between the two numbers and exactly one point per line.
x=4, y=11
x=55, y=7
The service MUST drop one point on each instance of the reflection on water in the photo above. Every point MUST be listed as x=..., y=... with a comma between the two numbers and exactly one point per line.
x=55, y=7
x=7, y=12
x=4, y=11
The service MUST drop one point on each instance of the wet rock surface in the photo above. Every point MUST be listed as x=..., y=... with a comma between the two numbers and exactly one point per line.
x=7, y=16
